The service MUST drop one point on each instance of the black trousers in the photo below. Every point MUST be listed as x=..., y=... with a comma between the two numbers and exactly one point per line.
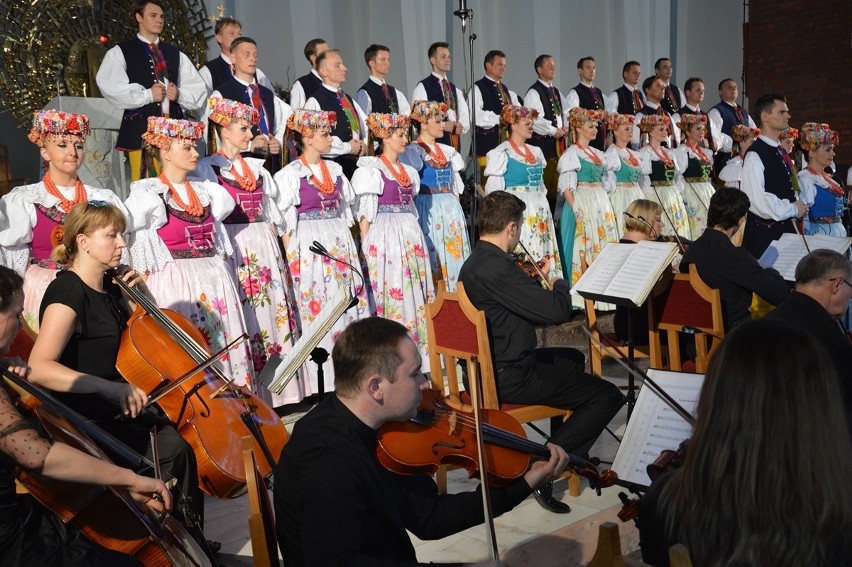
x=555, y=377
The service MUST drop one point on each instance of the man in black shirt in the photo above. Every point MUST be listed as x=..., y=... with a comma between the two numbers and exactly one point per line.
x=513, y=305
x=335, y=503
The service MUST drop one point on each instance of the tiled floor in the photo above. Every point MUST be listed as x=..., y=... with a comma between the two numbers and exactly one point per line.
x=226, y=520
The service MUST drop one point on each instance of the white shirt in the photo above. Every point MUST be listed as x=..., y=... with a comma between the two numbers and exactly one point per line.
x=282, y=112
x=485, y=118
x=208, y=78
x=611, y=101
x=117, y=89
x=297, y=92
x=463, y=113
x=338, y=146
x=362, y=97
x=715, y=119
x=763, y=204
x=542, y=125
x=675, y=118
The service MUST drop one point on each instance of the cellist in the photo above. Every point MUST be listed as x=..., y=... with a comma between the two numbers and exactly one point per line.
x=83, y=315
x=29, y=534
x=334, y=502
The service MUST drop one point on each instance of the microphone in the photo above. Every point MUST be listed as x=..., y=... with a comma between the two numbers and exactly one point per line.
x=321, y=250
x=463, y=13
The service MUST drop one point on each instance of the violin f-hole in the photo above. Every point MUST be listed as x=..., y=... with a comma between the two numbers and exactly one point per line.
x=447, y=445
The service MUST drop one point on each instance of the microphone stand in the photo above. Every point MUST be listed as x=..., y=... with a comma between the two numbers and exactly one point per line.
x=466, y=14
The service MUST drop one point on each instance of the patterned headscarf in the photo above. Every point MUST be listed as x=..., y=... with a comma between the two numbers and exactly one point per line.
x=54, y=122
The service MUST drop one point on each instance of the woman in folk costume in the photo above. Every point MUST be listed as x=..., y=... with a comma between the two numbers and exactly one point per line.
x=391, y=239
x=581, y=172
x=661, y=185
x=823, y=194
x=623, y=182
x=517, y=167
x=438, y=207
x=32, y=216
x=253, y=228
x=316, y=205
x=697, y=188
x=743, y=137
x=180, y=242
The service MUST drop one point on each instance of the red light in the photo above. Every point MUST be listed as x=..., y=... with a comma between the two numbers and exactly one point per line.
x=104, y=39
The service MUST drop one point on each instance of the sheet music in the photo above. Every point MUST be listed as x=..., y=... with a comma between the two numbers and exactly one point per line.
x=654, y=426
x=785, y=253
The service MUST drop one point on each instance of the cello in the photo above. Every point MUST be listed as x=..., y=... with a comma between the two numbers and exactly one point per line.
x=106, y=516
x=207, y=409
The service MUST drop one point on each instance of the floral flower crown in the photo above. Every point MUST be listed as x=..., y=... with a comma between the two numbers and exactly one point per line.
x=687, y=120
x=651, y=121
x=814, y=135
x=224, y=111
x=49, y=121
x=513, y=113
x=578, y=116
x=161, y=131
x=381, y=125
x=423, y=110
x=791, y=134
x=307, y=122
x=741, y=133
x=615, y=120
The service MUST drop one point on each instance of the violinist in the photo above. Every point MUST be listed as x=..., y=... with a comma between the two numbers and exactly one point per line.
x=821, y=297
x=29, y=534
x=765, y=480
x=83, y=315
x=728, y=268
x=334, y=502
x=513, y=305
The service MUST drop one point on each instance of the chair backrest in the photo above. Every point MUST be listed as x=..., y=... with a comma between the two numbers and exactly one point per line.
x=458, y=332
x=261, y=520
x=690, y=306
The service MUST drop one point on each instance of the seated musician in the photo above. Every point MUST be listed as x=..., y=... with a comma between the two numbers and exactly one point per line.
x=728, y=268
x=513, y=305
x=29, y=534
x=83, y=315
x=768, y=458
x=821, y=297
x=334, y=502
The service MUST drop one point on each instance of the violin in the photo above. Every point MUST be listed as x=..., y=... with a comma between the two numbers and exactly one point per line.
x=535, y=270
x=106, y=516
x=440, y=435
x=207, y=409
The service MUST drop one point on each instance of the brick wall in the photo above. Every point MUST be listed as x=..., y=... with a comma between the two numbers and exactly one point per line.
x=804, y=50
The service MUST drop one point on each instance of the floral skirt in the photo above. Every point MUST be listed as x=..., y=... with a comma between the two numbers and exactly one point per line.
x=696, y=198
x=400, y=275
x=537, y=231
x=595, y=226
x=264, y=291
x=36, y=280
x=203, y=290
x=674, y=211
x=442, y=220
x=316, y=280
x=620, y=198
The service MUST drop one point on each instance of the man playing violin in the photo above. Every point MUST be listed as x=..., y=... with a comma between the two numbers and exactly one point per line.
x=334, y=502
x=513, y=305
x=28, y=534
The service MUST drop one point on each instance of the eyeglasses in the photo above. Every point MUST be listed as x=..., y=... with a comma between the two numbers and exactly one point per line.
x=844, y=280
x=98, y=204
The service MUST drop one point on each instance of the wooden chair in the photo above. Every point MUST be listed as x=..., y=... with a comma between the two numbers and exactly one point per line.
x=458, y=332
x=608, y=551
x=597, y=354
x=689, y=306
x=264, y=543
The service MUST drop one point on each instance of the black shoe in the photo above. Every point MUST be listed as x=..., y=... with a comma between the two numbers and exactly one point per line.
x=545, y=499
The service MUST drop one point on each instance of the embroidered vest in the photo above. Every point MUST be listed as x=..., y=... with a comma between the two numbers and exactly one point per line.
x=547, y=144
x=378, y=101
x=249, y=204
x=188, y=236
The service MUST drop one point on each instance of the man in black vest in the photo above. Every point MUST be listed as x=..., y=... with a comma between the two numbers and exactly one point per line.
x=348, y=139
x=490, y=95
x=551, y=127
x=724, y=116
x=376, y=95
x=693, y=88
x=305, y=85
x=220, y=69
x=587, y=95
x=767, y=179
x=627, y=99
x=274, y=112
x=654, y=92
x=673, y=97
x=438, y=88
x=148, y=77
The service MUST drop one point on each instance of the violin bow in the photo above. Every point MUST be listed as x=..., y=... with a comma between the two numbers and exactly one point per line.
x=535, y=265
x=671, y=223
x=799, y=232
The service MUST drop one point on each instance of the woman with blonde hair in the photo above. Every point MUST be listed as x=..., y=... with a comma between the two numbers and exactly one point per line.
x=31, y=216
x=623, y=181
x=663, y=183
x=697, y=189
x=824, y=196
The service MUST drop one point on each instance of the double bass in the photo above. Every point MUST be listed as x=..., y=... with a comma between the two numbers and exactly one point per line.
x=106, y=516
x=210, y=412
